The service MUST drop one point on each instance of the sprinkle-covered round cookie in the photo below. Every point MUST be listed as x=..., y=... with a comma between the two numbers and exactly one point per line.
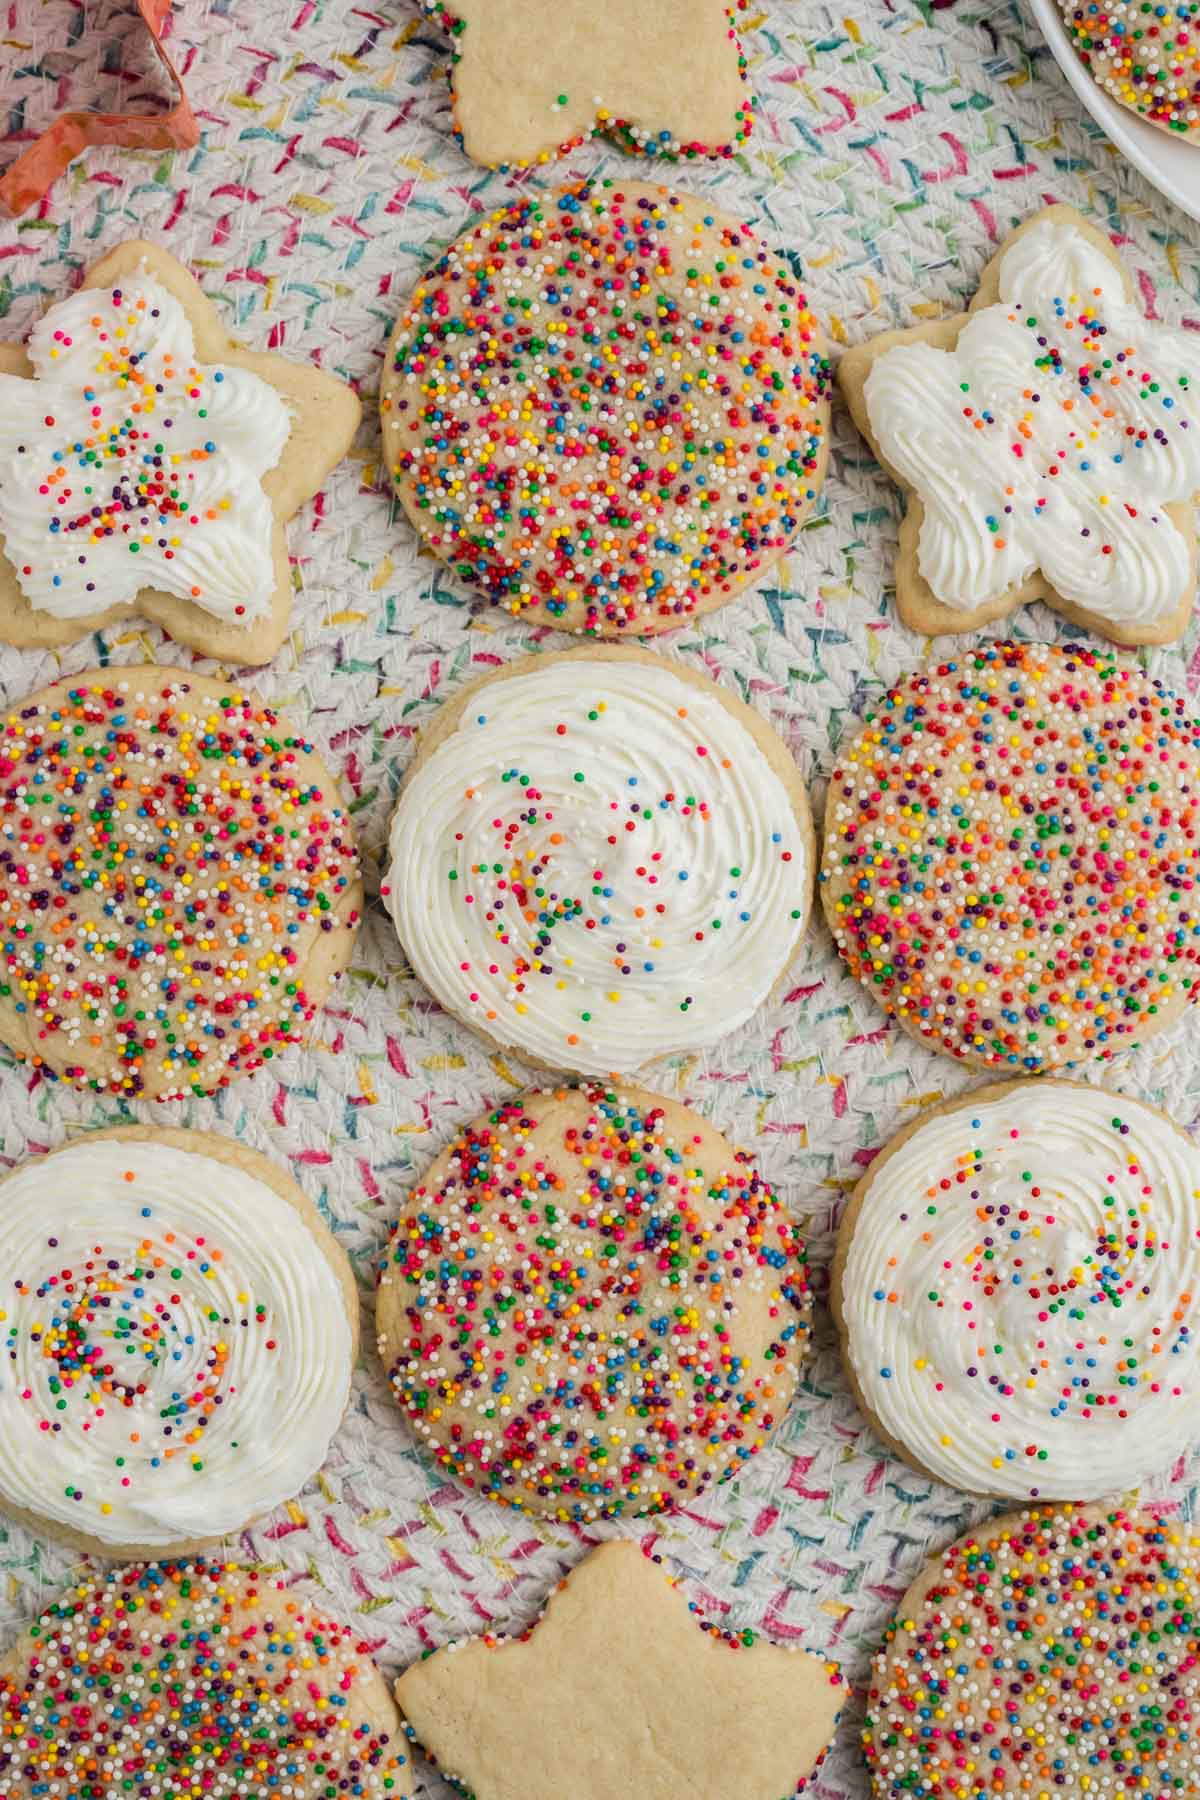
x=1015, y=1283
x=593, y=1305
x=194, y=1681
x=600, y=857
x=1011, y=855
x=607, y=408
x=179, y=883
x=1049, y=1653
x=178, y=1330
x=1146, y=55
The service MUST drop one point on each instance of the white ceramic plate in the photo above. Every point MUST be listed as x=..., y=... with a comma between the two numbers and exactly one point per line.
x=1173, y=165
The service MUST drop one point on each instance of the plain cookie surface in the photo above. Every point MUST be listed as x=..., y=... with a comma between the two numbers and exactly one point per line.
x=1049, y=1652
x=607, y=408
x=1014, y=1286
x=180, y=1331
x=531, y=83
x=197, y=1678
x=620, y=1690
x=179, y=883
x=593, y=1305
x=599, y=858
x=150, y=463
x=1012, y=851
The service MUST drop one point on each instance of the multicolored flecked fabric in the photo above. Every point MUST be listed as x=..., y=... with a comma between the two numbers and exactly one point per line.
x=896, y=142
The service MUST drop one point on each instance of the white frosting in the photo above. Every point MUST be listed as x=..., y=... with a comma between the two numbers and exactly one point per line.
x=1072, y=1394
x=1025, y=446
x=655, y=838
x=226, y=1269
x=114, y=457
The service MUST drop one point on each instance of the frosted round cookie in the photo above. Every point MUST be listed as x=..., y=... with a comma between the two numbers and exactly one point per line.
x=202, y=1678
x=1011, y=855
x=1050, y=1652
x=179, y=883
x=608, y=407
x=1014, y=1281
x=179, y=1330
x=600, y=857
x=593, y=1305
x=1147, y=57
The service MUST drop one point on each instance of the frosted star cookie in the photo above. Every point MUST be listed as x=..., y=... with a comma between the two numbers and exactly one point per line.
x=179, y=883
x=600, y=857
x=533, y=81
x=1011, y=855
x=619, y=1689
x=196, y=1678
x=1050, y=1652
x=149, y=463
x=1146, y=56
x=1048, y=443
x=179, y=1330
x=593, y=1305
x=607, y=408
x=1014, y=1281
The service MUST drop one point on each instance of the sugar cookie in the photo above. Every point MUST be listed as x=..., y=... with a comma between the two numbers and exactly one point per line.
x=1012, y=846
x=179, y=1333
x=532, y=81
x=1050, y=1652
x=607, y=408
x=593, y=1304
x=600, y=857
x=198, y=1678
x=620, y=1690
x=148, y=464
x=1048, y=442
x=1147, y=57
x=179, y=883
x=1013, y=1283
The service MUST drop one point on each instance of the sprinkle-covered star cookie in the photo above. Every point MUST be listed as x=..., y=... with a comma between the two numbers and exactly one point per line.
x=1145, y=55
x=173, y=1680
x=1012, y=854
x=593, y=1304
x=607, y=408
x=1048, y=442
x=148, y=464
x=622, y=1688
x=534, y=78
x=179, y=882
x=1052, y=1652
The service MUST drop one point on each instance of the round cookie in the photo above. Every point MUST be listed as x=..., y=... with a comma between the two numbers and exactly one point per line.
x=179, y=1330
x=608, y=407
x=179, y=883
x=1013, y=1284
x=1011, y=855
x=201, y=1678
x=600, y=857
x=1049, y=1652
x=593, y=1305
x=1146, y=57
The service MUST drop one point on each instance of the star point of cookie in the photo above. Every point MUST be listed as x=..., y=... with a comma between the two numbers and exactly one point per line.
x=149, y=463
x=533, y=79
x=1049, y=443
x=622, y=1688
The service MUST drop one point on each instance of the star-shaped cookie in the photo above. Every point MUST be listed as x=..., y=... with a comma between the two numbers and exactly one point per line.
x=533, y=78
x=620, y=1689
x=148, y=463
x=1048, y=441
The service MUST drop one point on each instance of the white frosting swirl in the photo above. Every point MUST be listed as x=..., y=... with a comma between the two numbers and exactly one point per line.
x=1051, y=436
x=1018, y=1291
x=598, y=866
x=178, y=1353
x=126, y=465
